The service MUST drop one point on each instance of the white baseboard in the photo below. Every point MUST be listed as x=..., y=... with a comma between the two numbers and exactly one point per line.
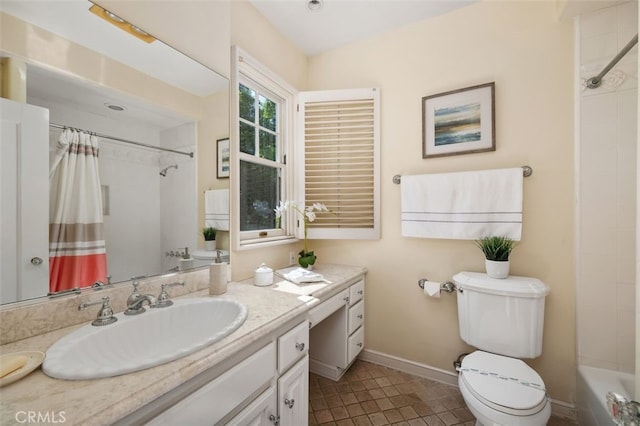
x=411, y=367
x=558, y=408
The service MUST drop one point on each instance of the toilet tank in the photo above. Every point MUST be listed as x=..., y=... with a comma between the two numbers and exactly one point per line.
x=502, y=316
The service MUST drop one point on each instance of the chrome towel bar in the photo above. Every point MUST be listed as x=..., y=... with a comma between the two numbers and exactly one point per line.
x=526, y=172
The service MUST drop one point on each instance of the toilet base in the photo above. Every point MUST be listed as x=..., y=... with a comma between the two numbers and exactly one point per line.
x=487, y=416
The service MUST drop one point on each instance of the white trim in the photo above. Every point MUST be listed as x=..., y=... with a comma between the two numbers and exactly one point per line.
x=577, y=104
x=558, y=408
x=411, y=367
x=244, y=66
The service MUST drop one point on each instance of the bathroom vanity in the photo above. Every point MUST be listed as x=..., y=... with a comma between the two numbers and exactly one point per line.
x=256, y=375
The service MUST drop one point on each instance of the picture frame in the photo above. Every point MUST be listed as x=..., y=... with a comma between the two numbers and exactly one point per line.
x=459, y=121
x=223, y=161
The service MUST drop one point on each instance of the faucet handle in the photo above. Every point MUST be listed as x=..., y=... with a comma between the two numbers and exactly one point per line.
x=163, y=298
x=105, y=314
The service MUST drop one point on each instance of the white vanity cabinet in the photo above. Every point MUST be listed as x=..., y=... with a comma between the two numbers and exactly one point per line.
x=269, y=386
x=291, y=406
x=337, y=334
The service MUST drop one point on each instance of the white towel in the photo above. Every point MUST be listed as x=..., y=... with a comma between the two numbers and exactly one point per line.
x=464, y=205
x=302, y=276
x=304, y=290
x=216, y=208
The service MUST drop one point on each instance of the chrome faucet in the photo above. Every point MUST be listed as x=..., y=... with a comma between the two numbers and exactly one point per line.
x=105, y=314
x=163, y=297
x=136, y=300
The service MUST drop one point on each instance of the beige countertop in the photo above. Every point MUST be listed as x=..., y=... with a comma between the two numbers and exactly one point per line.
x=103, y=401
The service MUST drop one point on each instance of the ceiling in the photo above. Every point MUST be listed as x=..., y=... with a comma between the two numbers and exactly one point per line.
x=340, y=22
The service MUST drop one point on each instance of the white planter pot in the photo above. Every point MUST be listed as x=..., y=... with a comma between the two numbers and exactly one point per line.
x=210, y=245
x=497, y=269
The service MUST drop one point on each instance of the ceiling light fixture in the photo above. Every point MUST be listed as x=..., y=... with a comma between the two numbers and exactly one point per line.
x=114, y=107
x=314, y=5
x=114, y=19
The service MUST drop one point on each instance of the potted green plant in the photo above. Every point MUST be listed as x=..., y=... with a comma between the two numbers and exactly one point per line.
x=496, y=252
x=209, y=234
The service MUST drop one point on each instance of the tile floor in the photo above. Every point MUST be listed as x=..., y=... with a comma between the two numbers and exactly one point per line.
x=372, y=395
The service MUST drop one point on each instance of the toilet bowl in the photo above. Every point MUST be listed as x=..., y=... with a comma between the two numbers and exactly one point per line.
x=500, y=390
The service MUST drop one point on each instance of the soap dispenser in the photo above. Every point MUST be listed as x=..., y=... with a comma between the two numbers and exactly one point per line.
x=186, y=262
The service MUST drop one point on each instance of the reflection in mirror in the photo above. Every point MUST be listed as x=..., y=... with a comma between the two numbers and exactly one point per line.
x=141, y=211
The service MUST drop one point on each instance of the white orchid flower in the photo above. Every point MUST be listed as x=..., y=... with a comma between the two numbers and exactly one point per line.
x=320, y=207
x=281, y=208
x=311, y=216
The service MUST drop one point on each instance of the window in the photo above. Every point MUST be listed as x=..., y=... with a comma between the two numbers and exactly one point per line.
x=261, y=161
x=264, y=107
x=336, y=157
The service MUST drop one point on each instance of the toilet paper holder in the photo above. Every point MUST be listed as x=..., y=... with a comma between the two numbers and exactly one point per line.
x=447, y=286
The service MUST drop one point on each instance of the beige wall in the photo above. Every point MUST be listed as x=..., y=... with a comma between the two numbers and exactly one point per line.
x=254, y=34
x=216, y=107
x=529, y=55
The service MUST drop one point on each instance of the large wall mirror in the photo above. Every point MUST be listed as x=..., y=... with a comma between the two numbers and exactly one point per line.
x=92, y=76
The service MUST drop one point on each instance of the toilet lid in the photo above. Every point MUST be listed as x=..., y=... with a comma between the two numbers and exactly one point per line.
x=504, y=384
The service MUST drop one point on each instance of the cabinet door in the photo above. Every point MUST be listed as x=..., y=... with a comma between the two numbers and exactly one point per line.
x=293, y=395
x=261, y=412
x=356, y=343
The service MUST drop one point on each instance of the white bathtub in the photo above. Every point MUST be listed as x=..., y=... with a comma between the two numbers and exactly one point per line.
x=593, y=385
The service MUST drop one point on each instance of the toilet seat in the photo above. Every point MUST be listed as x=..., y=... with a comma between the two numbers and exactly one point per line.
x=504, y=384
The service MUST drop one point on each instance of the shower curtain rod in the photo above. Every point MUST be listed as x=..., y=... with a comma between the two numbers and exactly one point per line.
x=594, y=82
x=59, y=126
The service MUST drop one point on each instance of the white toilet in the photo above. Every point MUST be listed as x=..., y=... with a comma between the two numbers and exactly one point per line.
x=504, y=319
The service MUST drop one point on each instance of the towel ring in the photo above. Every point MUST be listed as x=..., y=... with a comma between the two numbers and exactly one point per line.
x=526, y=172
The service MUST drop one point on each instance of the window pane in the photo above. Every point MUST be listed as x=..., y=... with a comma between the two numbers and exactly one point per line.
x=247, y=138
x=247, y=103
x=267, y=113
x=259, y=195
x=267, y=145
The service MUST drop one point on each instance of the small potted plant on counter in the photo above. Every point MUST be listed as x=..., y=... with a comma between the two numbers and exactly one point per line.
x=496, y=252
x=209, y=234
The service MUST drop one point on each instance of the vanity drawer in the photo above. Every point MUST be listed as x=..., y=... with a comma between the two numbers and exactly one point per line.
x=356, y=316
x=322, y=311
x=356, y=343
x=356, y=292
x=213, y=401
x=293, y=345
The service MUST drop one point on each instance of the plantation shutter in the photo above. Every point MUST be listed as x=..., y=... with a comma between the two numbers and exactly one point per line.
x=341, y=134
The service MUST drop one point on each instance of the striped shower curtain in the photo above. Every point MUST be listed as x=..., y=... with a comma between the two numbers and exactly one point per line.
x=77, y=254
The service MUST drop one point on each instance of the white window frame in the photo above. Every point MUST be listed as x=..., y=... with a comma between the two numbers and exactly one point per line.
x=246, y=69
x=291, y=121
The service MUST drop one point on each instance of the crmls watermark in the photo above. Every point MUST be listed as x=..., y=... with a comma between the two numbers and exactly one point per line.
x=49, y=417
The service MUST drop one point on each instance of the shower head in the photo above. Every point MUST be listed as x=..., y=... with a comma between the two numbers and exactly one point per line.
x=163, y=172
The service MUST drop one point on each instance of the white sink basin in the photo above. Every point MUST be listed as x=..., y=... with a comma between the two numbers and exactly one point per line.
x=137, y=342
